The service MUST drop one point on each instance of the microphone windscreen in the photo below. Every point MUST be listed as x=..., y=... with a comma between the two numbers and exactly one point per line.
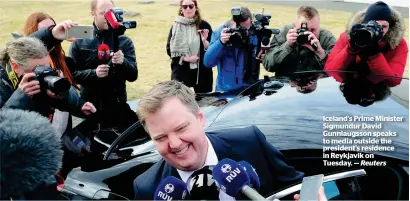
x=171, y=188
x=111, y=19
x=30, y=150
x=253, y=176
x=201, y=185
x=230, y=176
x=103, y=52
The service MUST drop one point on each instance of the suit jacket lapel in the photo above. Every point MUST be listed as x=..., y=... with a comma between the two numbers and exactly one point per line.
x=170, y=171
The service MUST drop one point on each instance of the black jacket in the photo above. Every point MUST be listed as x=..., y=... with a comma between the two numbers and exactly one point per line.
x=11, y=97
x=103, y=92
x=189, y=76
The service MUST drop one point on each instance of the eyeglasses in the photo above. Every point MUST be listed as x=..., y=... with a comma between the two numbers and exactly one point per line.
x=191, y=6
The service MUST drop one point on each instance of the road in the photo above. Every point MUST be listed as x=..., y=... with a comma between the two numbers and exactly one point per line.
x=330, y=5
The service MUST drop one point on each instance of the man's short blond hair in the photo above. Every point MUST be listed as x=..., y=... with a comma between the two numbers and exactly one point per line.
x=155, y=98
x=308, y=12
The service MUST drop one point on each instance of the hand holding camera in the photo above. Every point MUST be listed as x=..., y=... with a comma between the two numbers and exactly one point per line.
x=291, y=37
x=312, y=43
x=59, y=31
x=225, y=35
x=29, y=85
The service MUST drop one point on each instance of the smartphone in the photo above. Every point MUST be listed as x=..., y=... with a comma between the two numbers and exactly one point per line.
x=310, y=188
x=80, y=31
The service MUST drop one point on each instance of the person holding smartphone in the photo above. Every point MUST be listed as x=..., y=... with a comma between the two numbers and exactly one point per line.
x=188, y=40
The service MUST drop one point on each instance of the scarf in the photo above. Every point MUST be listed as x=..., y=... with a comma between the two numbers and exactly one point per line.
x=185, y=40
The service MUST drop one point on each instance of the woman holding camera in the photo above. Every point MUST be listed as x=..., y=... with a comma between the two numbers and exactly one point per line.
x=188, y=40
x=385, y=55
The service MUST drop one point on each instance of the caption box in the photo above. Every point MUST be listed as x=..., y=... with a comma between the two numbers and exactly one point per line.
x=350, y=140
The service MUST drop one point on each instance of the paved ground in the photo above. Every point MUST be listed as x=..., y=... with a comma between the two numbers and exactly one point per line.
x=330, y=5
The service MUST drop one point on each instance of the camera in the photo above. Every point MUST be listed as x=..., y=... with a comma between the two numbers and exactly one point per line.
x=115, y=20
x=50, y=80
x=367, y=34
x=302, y=38
x=264, y=34
x=239, y=36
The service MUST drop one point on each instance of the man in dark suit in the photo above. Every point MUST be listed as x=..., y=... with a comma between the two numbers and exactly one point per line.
x=175, y=123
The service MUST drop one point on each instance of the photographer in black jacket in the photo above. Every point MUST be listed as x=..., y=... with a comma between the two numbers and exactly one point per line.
x=102, y=84
x=22, y=82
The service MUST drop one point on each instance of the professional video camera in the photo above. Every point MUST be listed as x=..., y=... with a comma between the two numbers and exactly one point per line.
x=264, y=34
x=238, y=34
x=302, y=37
x=115, y=22
x=367, y=34
x=49, y=79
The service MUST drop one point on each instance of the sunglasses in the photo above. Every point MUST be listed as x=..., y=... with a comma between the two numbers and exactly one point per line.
x=191, y=6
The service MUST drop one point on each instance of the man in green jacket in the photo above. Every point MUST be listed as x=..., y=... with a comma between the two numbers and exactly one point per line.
x=296, y=49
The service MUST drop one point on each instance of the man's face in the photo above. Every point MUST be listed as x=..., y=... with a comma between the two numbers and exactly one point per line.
x=98, y=14
x=178, y=135
x=384, y=24
x=313, y=24
x=246, y=24
x=32, y=64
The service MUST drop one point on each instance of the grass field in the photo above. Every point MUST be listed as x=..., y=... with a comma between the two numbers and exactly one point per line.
x=153, y=26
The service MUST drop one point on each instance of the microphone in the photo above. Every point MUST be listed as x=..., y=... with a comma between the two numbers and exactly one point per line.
x=253, y=176
x=112, y=19
x=202, y=186
x=31, y=155
x=103, y=52
x=232, y=179
x=171, y=188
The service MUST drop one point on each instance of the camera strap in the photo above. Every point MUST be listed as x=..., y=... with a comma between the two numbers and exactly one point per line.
x=12, y=75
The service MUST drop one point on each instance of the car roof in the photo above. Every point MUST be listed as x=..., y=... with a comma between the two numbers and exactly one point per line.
x=293, y=120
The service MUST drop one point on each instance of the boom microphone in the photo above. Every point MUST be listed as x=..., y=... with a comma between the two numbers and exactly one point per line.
x=253, y=176
x=31, y=155
x=202, y=186
x=232, y=179
x=171, y=188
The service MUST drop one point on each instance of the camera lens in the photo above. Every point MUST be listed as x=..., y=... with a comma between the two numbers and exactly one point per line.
x=57, y=84
x=363, y=37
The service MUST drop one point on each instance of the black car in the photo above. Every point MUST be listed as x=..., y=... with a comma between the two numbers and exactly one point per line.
x=298, y=114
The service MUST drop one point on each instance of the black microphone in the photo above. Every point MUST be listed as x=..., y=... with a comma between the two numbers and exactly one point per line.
x=201, y=185
x=31, y=155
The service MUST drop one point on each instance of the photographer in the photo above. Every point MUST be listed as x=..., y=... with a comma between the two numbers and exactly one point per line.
x=373, y=44
x=103, y=84
x=28, y=82
x=233, y=50
x=300, y=47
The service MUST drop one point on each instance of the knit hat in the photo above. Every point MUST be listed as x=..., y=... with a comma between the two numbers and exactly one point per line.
x=378, y=11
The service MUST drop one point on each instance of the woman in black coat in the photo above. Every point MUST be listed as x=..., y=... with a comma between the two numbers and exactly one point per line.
x=188, y=40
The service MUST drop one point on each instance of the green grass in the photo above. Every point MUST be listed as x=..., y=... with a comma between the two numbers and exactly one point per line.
x=153, y=26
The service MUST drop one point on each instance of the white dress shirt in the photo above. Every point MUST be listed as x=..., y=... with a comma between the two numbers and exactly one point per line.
x=211, y=160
